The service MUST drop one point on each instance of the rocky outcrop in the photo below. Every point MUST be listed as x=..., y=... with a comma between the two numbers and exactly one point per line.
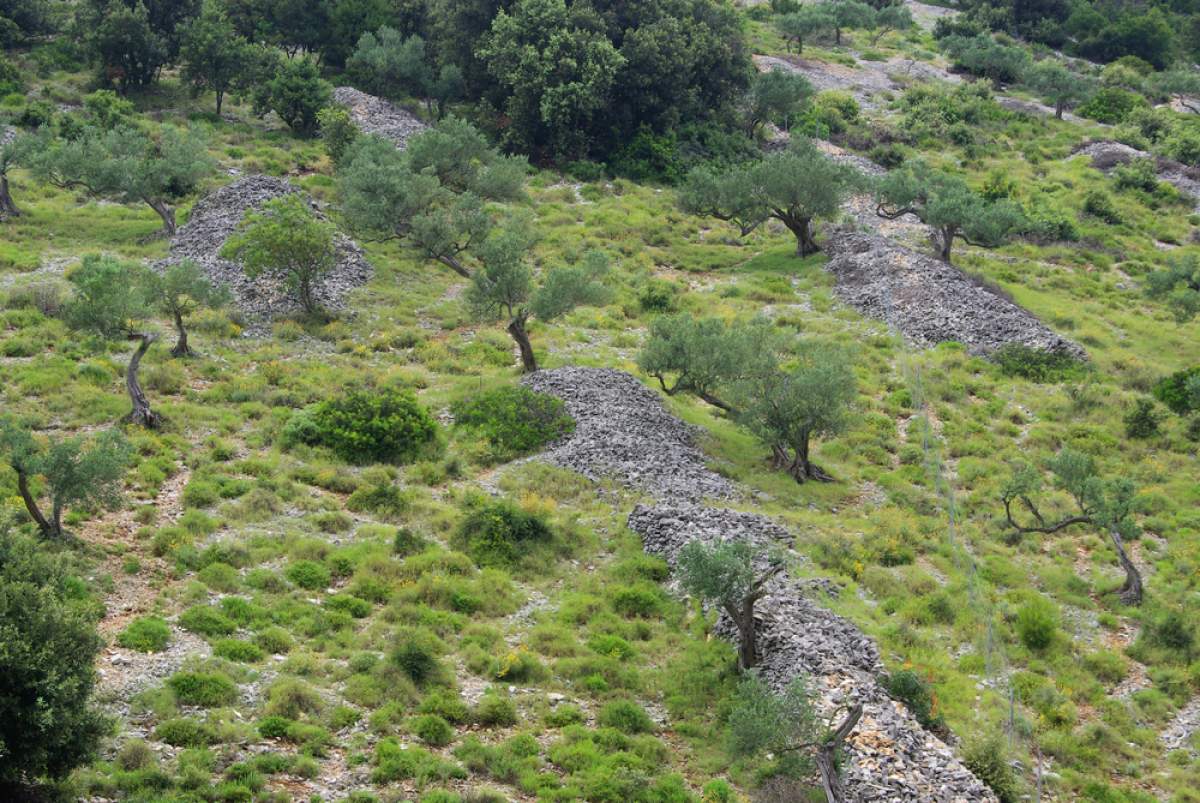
x=1106, y=155
x=623, y=431
x=377, y=116
x=215, y=217
x=930, y=301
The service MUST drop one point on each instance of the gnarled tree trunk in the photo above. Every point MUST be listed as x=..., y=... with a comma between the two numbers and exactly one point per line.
x=7, y=207
x=743, y=618
x=48, y=529
x=831, y=781
x=516, y=328
x=1131, y=591
x=166, y=213
x=141, y=414
x=801, y=227
x=181, y=347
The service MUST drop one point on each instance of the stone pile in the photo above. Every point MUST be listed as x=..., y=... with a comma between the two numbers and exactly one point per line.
x=930, y=301
x=377, y=116
x=215, y=217
x=623, y=430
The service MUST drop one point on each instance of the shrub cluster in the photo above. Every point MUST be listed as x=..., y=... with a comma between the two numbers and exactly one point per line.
x=381, y=426
x=514, y=420
x=495, y=532
x=1180, y=391
x=1036, y=365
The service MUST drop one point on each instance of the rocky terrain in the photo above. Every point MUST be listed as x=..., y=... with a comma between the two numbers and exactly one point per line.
x=377, y=116
x=930, y=301
x=623, y=431
x=215, y=217
x=1106, y=155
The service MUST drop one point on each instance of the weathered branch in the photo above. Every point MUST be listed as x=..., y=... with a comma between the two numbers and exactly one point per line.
x=827, y=756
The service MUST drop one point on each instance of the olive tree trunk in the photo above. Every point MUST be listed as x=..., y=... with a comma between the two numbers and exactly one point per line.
x=801, y=227
x=831, y=781
x=1131, y=591
x=7, y=207
x=516, y=328
x=141, y=414
x=181, y=347
x=165, y=212
x=47, y=528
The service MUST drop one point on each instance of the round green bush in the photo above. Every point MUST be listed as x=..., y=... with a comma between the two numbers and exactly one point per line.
x=367, y=426
x=494, y=710
x=1037, y=622
x=416, y=653
x=184, y=732
x=233, y=649
x=207, y=689
x=513, y=419
x=432, y=730
x=496, y=532
x=274, y=640
x=146, y=634
x=207, y=621
x=626, y=716
x=308, y=574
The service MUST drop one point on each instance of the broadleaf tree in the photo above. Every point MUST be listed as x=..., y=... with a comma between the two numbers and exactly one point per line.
x=111, y=301
x=1059, y=85
x=503, y=287
x=808, y=397
x=431, y=196
x=286, y=238
x=213, y=54
x=804, y=24
x=945, y=203
x=776, y=95
x=793, y=186
x=72, y=472
x=128, y=165
x=178, y=291
x=724, y=575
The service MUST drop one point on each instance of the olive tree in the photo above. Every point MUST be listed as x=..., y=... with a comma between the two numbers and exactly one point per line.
x=72, y=472
x=431, y=196
x=849, y=14
x=808, y=398
x=896, y=17
x=286, y=238
x=804, y=24
x=128, y=165
x=945, y=203
x=14, y=152
x=111, y=300
x=1058, y=85
x=724, y=575
x=389, y=64
x=793, y=186
x=1103, y=503
x=181, y=289
x=776, y=95
x=503, y=287
x=786, y=725
x=704, y=356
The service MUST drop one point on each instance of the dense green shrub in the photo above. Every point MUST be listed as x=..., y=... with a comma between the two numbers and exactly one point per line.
x=494, y=709
x=185, y=732
x=1143, y=420
x=915, y=692
x=988, y=759
x=497, y=532
x=1037, y=623
x=146, y=634
x=415, y=652
x=626, y=716
x=48, y=644
x=308, y=574
x=206, y=689
x=1111, y=105
x=274, y=639
x=513, y=419
x=1180, y=391
x=1136, y=174
x=1037, y=365
x=1099, y=204
x=238, y=650
x=432, y=730
x=384, y=425
x=207, y=621
x=394, y=762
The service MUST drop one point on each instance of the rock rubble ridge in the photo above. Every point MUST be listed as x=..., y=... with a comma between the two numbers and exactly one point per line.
x=930, y=301
x=215, y=217
x=377, y=116
x=623, y=431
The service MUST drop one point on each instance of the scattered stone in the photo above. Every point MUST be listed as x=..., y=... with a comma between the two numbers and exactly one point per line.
x=930, y=301
x=623, y=432
x=377, y=116
x=1178, y=733
x=871, y=83
x=215, y=217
